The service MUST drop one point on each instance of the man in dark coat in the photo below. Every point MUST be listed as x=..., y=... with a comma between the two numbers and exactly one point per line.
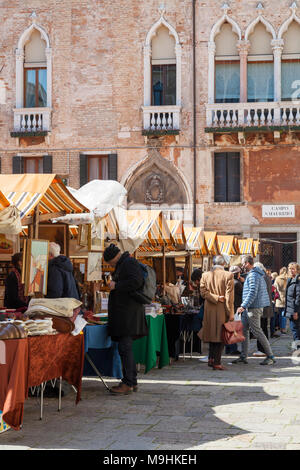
x=14, y=296
x=292, y=302
x=126, y=316
x=61, y=281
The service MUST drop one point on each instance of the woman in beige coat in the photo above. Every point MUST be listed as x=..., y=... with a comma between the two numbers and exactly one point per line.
x=217, y=288
x=280, y=284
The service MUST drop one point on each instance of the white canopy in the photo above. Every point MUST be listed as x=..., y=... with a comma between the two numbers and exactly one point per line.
x=99, y=196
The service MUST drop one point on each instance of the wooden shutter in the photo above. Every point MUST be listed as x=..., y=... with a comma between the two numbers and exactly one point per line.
x=18, y=165
x=220, y=177
x=47, y=163
x=233, y=177
x=83, y=169
x=113, y=166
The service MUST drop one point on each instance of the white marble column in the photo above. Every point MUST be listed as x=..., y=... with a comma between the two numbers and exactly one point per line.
x=49, y=76
x=147, y=75
x=277, y=46
x=19, y=78
x=178, y=74
x=243, y=48
x=211, y=72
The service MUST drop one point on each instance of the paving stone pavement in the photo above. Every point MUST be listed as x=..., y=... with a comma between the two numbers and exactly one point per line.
x=185, y=406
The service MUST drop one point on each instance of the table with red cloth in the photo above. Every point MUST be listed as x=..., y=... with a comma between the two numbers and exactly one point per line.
x=33, y=360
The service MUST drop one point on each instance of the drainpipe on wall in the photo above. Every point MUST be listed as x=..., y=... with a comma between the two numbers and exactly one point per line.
x=194, y=113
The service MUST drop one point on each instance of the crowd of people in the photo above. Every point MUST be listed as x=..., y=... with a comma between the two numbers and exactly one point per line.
x=262, y=300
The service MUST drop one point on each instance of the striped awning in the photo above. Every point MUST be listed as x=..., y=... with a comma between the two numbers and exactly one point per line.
x=151, y=227
x=211, y=242
x=226, y=244
x=255, y=247
x=142, y=230
x=47, y=190
x=245, y=246
x=3, y=202
x=177, y=231
x=195, y=240
x=73, y=229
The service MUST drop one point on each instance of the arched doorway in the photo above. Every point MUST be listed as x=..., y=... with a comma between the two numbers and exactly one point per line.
x=157, y=183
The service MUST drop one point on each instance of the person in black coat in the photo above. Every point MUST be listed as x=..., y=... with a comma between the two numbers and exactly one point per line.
x=126, y=316
x=292, y=300
x=14, y=289
x=61, y=281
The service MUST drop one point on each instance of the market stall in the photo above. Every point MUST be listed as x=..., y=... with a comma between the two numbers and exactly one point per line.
x=35, y=199
x=10, y=227
x=33, y=361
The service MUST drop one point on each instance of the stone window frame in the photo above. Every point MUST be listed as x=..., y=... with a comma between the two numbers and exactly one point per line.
x=212, y=51
x=20, y=55
x=277, y=44
x=147, y=61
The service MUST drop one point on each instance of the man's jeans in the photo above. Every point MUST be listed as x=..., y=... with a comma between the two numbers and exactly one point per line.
x=128, y=362
x=281, y=318
x=251, y=321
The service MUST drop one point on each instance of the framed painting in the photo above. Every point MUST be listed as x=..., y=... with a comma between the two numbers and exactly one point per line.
x=80, y=269
x=205, y=266
x=24, y=254
x=95, y=238
x=8, y=246
x=94, y=267
x=83, y=235
x=37, y=253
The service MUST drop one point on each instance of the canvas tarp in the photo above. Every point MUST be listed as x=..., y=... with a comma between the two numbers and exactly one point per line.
x=10, y=222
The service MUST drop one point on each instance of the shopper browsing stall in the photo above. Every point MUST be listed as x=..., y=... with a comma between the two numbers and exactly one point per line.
x=61, y=281
x=217, y=288
x=14, y=296
x=126, y=316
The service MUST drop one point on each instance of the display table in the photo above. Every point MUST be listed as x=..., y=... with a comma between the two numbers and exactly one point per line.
x=32, y=361
x=102, y=351
x=145, y=349
x=181, y=330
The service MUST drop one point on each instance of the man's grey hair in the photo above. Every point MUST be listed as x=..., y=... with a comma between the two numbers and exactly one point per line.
x=259, y=265
x=248, y=259
x=219, y=259
x=54, y=249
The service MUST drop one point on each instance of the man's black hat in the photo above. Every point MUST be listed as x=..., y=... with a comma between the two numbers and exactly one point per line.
x=110, y=252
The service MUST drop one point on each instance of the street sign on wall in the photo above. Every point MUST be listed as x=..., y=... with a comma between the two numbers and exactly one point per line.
x=278, y=211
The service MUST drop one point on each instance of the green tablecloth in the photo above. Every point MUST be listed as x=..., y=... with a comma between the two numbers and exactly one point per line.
x=145, y=349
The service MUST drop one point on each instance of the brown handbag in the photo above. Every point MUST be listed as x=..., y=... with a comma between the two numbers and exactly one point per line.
x=232, y=332
x=11, y=331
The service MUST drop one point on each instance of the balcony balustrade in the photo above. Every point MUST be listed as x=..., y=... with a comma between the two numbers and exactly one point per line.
x=161, y=118
x=237, y=115
x=32, y=120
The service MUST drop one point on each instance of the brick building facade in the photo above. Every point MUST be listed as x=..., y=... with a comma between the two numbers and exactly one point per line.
x=189, y=104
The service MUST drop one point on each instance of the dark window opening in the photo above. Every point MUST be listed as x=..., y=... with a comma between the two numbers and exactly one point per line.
x=164, y=85
x=35, y=88
x=227, y=177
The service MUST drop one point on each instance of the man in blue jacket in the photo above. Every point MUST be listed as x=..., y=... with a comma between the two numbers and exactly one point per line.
x=255, y=298
x=61, y=281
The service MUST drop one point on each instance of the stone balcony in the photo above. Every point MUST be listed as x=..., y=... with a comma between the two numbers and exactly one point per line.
x=161, y=120
x=241, y=116
x=28, y=121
